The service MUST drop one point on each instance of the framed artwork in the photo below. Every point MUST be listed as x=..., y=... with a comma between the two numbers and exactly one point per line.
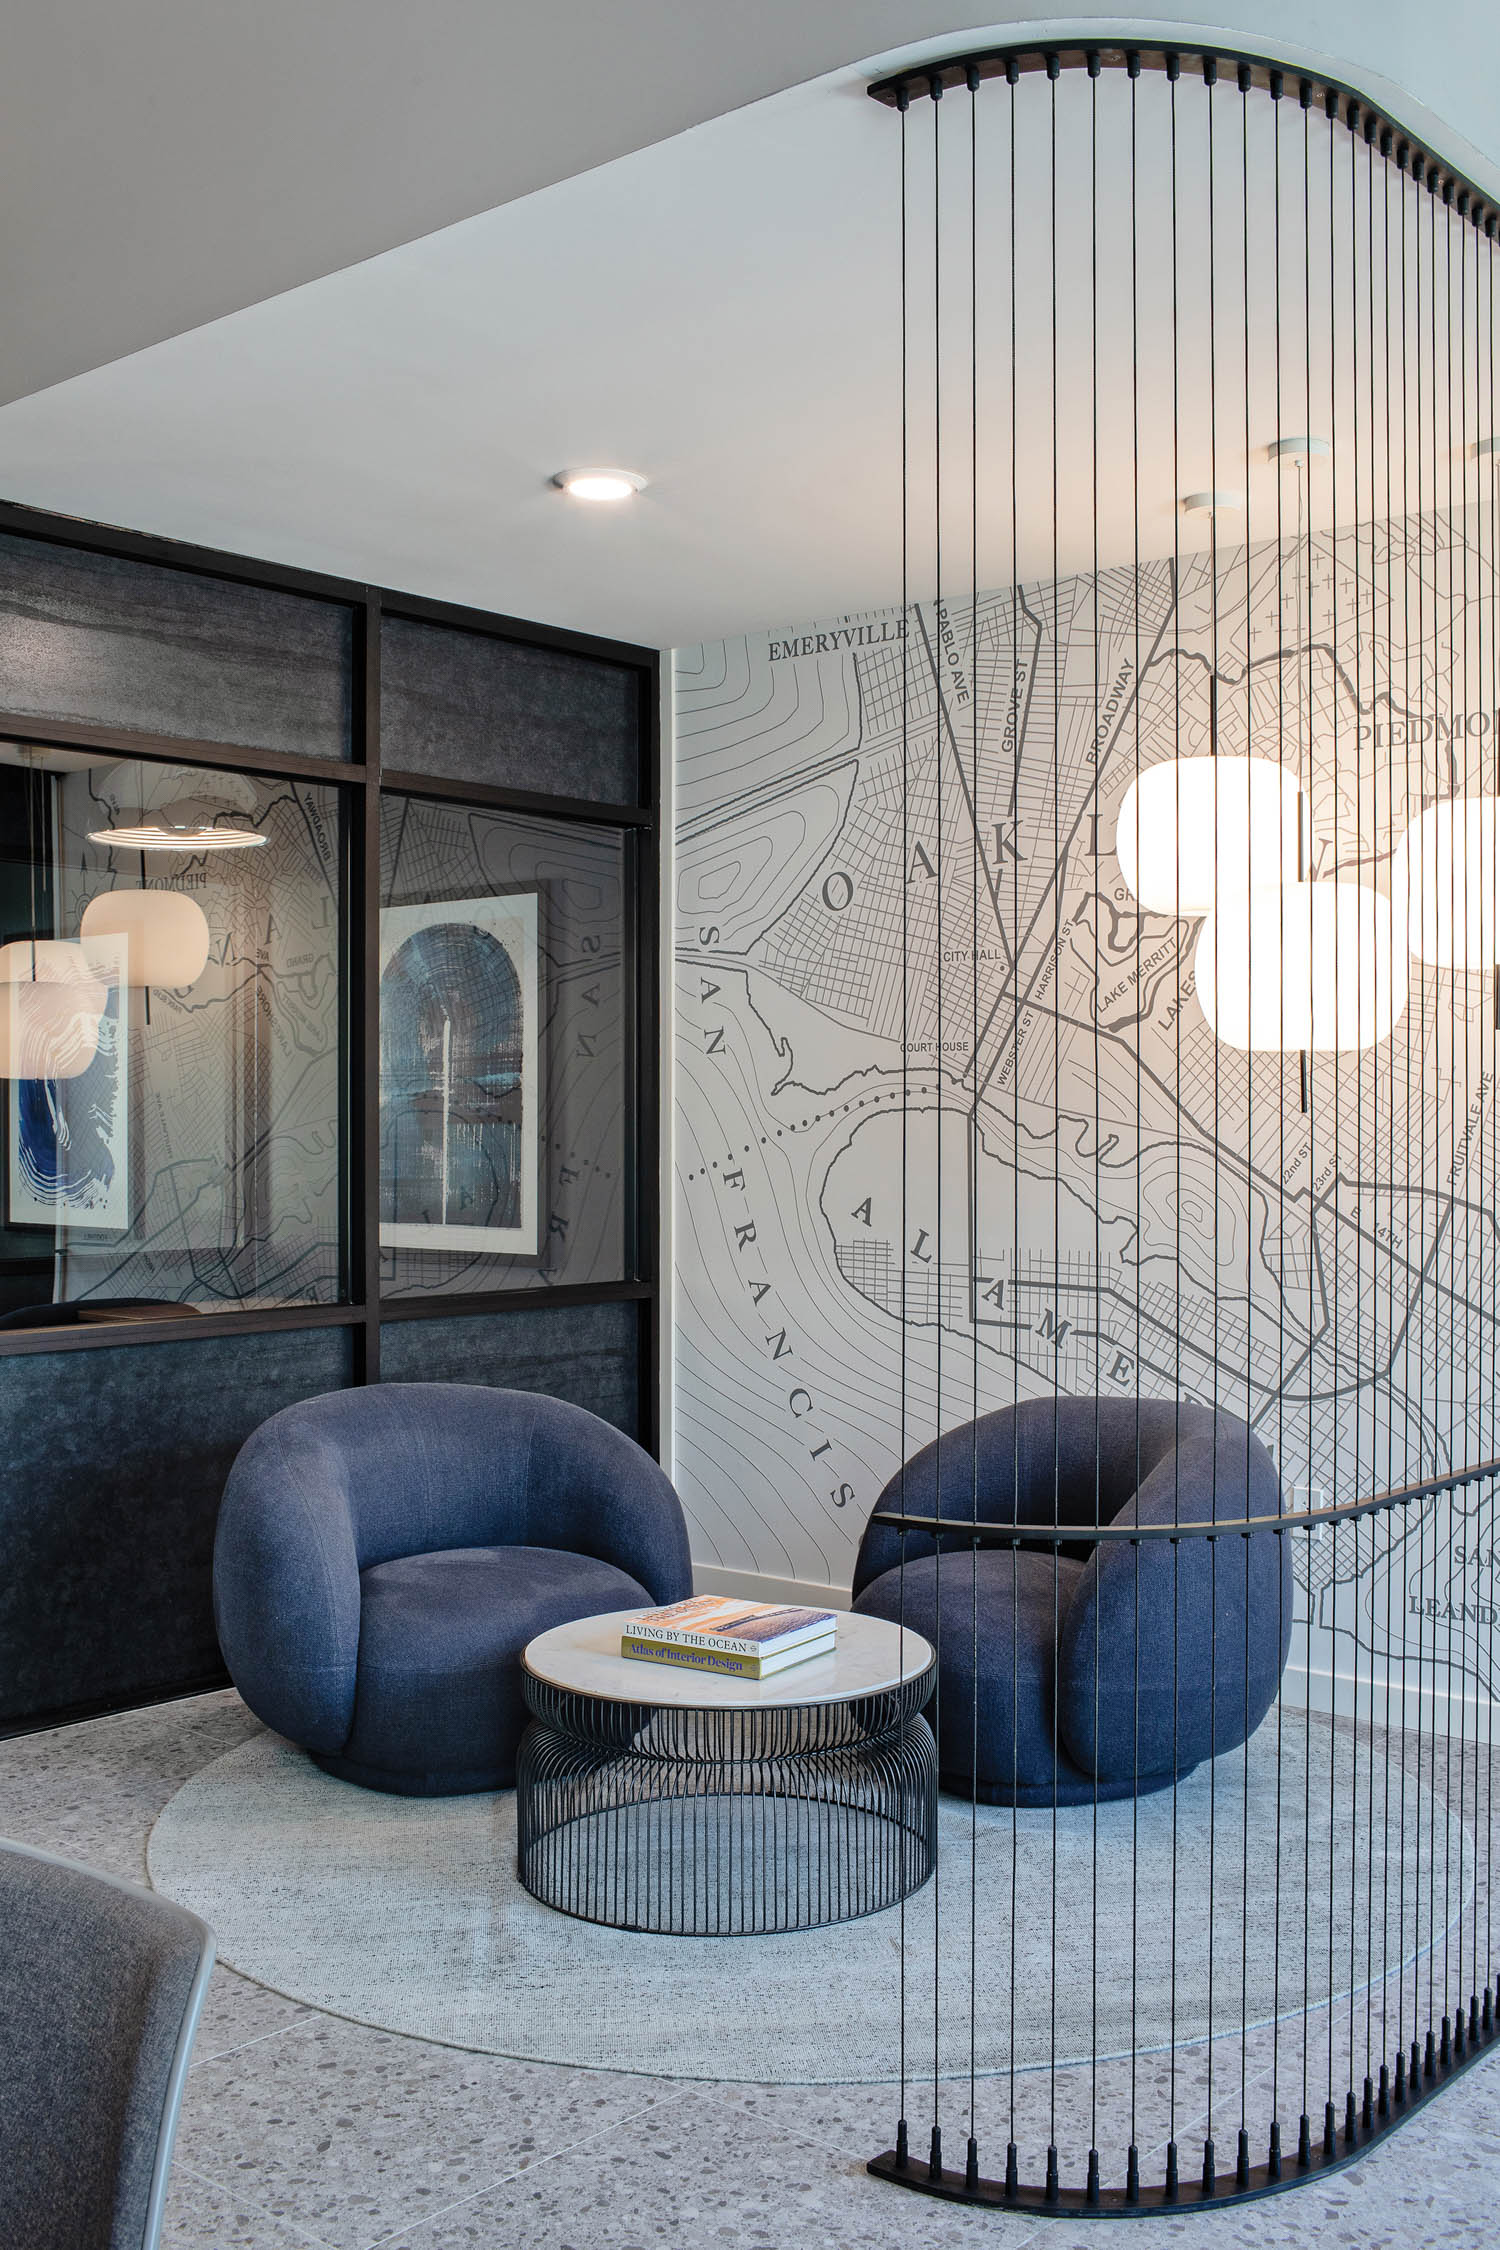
x=460, y=1003
x=69, y=1156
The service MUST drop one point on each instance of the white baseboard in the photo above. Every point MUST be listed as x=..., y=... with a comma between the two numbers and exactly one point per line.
x=1461, y=1710
x=708, y=1578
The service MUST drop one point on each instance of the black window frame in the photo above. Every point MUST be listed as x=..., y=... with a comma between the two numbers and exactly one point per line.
x=361, y=778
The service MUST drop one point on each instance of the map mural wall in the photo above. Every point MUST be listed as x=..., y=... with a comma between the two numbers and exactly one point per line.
x=1031, y=1139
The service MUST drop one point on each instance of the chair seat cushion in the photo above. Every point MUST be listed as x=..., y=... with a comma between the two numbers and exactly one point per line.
x=438, y=1706
x=997, y=1723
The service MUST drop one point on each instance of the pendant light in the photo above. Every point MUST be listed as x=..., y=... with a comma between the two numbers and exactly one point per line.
x=52, y=1001
x=189, y=824
x=1309, y=966
x=165, y=932
x=1193, y=829
x=1444, y=881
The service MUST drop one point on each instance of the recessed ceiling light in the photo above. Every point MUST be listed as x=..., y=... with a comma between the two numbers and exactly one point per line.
x=599, y=484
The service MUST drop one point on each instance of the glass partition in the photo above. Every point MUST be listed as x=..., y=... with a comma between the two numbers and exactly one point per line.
x=504, y=1107
x=169, y=1038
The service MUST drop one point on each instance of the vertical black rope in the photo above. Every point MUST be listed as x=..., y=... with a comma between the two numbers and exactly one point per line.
x=1411, y=1043
x=903, y=104
x=1335, y=1074
x=1054, y=612
x=1276, y=89
x=1377, y=1159
x=1243, y=2153
x=975, y=870
x=1399, y=940
x=1435, y=1361
x=1172, y=70
x=1132, y=2160
x=1304, y=703
x=1093, y=70
x=1011, y=2170
x=1210, y=80
x=935, y=87
x=1457, y=1187
x=1487, y=1517
x=1358, y=1066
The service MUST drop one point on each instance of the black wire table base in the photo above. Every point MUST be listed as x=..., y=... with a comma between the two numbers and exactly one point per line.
x=725, y=1823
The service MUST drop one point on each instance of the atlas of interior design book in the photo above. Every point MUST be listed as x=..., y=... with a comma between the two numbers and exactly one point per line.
x=716, y=1633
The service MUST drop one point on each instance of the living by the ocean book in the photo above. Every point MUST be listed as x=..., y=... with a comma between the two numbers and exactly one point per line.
x=731, y=1627
x=687, y=1657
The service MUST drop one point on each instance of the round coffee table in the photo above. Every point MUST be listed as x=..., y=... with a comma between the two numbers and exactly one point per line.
x=692, y=1804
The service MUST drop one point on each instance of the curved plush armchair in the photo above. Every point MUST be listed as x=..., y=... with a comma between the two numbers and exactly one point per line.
x=1106, y=1669
x=384, y=1555
x=101, y=1988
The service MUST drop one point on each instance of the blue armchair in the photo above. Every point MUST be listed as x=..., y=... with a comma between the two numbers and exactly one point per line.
x=1101, y=1668
x=384, y=1556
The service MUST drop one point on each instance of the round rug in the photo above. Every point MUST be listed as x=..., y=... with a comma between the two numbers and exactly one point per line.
x=405, y=1913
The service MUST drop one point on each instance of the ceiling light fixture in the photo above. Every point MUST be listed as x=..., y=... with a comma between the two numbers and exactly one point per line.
x=166, y=935
x=53, y=995
x=1213, y=503
x=599, y=484
x=1298, y=450
x=192, y=824
x=1192, y=828
x=1445, y=884
x=1310, y=966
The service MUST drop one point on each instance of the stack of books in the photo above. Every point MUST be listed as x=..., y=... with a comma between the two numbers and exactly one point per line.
x=713, y=1633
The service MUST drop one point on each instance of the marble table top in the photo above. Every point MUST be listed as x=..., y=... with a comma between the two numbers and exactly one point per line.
x=584, y=1658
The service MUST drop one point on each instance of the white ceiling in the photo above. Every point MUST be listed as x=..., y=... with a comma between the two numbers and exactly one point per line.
x=163, y=162
x=716, y=311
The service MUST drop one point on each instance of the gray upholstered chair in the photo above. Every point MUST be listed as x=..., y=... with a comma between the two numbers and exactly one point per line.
x=101, y=1988
x=384, y=1555
x=1094, y=1669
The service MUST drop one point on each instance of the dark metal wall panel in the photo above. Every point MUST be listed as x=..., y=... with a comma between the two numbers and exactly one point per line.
x=104, y=640
x=114, y=1462
x=588, y=1354
x=113, y=1455
x=466, y=707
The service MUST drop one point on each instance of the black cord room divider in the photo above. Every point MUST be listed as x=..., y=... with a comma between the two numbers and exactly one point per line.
x=1200, y=948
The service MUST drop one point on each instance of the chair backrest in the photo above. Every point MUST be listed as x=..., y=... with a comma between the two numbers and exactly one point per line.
x=1073, y=1461
x=416, y=1467
x=101, y=1987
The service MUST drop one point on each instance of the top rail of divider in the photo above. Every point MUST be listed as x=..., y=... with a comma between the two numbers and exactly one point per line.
x=1310, y=89
x=1013, y=1534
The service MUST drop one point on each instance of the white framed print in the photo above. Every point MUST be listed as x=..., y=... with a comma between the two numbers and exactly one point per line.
x=460, y=998
x=69, y=1157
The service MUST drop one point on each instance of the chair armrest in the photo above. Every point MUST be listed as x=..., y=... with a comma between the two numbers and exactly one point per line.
x=595, y=1491
x=286, y=1584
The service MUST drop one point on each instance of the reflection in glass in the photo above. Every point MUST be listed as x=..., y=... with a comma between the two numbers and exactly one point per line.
x=503, y=1139
x=169, y=1037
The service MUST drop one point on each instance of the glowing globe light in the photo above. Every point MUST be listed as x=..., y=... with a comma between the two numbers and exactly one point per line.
x=1302, y=966
x=165, y=933
x=1194, y=829
x=52, y=1000
x=1444, y=880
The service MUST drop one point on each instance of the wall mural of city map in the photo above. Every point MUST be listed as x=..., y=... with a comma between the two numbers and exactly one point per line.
x=1092, y=1194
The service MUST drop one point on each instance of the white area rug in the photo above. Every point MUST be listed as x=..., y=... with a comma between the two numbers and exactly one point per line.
x=406, y=1913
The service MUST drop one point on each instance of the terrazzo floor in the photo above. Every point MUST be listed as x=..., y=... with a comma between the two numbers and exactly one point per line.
x=304, y=2132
